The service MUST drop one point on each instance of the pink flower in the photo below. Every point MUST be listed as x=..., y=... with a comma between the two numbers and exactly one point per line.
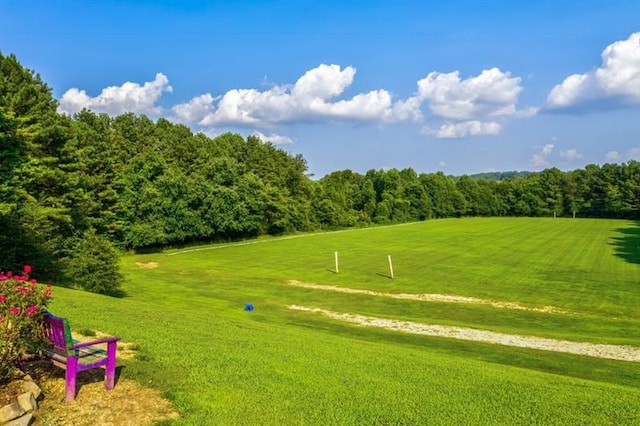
x=33, y=281
x=31, y=310
x=3, y=278
x=26, y=269
x=23, y=278
x=1, y=319
x=3, y=298
x=9, y=274
x=47, y=292
x=15, y=311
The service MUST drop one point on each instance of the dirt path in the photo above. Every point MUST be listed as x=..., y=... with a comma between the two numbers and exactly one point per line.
x=444, y=298
x=617, y=352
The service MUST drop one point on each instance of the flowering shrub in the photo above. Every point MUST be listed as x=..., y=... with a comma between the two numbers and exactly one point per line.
x=22, y=306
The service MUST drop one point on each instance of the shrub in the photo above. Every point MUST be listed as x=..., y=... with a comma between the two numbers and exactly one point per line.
x=93, y=264
x=22, y=307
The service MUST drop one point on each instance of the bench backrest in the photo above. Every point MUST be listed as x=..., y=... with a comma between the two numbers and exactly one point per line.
x=59, y=333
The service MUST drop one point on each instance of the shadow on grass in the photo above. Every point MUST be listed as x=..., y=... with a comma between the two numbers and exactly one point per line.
x=380, y=274
x=627, y=244
x=118, y=293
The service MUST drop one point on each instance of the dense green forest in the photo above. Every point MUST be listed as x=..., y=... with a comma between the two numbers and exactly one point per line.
x=74, y=191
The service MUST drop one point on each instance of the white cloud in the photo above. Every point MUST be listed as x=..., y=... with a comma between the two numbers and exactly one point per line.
x=540, y=160
x=570, y=155
x=614, y=84
x=616, y=156
x=633, y=154
x=527, y=112
x=442, y=164
x=612, y=156
x=115, y=100
x=464, y=129
x=470, y=106
x=311, y=98
x=473, y=106
x=194, y=110
x=490, y=94
x=406, y=110
x=323, y=82
x=273, y=138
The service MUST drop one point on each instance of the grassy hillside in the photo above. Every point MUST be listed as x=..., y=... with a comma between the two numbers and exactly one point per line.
x=222, y=365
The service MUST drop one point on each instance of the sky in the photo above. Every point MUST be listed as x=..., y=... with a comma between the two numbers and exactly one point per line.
x=461, y=87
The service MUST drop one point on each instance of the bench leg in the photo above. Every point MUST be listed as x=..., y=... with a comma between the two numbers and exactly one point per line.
x=70, y=378
x=110, y=369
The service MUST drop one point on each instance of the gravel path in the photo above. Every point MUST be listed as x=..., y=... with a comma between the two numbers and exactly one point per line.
x=444, y=298
x=616, y=352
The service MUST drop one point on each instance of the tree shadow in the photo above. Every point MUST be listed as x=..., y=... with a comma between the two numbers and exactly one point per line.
x=117, y=293
x=627, y=245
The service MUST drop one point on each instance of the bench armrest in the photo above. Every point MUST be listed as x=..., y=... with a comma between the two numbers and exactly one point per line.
x=95, y=342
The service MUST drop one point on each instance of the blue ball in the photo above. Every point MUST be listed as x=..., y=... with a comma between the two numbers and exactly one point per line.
x=248, y=307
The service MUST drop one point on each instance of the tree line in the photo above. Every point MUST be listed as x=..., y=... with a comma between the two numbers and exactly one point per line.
x=75, y=191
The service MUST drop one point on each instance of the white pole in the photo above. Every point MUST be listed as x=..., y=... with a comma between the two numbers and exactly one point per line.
x=390, y=266
x=336, y=261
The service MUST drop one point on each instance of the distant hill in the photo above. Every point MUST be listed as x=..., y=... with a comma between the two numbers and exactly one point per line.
x=498, y=176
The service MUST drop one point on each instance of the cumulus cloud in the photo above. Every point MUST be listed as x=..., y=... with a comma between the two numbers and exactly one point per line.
x=612, y=156
x=114, y=100
x=311, y=98
x=616, y=156
x=273, y=138
x=570, y=155
x=541, y=159
x=194, y=110
x=474, y=106
x=470, y=106
x=464, y=129
x=615, y=84
x=547, y=149
x=490, y=94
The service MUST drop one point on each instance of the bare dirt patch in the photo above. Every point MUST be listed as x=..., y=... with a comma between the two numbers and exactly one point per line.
x=442, y=298
x=147, y=265
x=128, y=403
x=617, y=352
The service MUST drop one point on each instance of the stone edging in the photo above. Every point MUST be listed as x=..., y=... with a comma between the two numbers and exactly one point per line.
x=22, y=412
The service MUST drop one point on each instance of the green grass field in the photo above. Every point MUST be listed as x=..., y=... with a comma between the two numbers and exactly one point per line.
x=221, y=365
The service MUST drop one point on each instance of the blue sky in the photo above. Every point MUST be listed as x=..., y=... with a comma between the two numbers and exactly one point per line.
x=460, y=86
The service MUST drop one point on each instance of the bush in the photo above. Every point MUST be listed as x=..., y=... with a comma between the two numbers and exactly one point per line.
x=22, y=307
x=93, y=265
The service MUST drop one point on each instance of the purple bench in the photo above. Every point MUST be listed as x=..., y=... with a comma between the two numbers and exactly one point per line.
x=75, y=356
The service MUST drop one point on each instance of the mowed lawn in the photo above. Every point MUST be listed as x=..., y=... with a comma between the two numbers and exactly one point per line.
x=222, y=365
